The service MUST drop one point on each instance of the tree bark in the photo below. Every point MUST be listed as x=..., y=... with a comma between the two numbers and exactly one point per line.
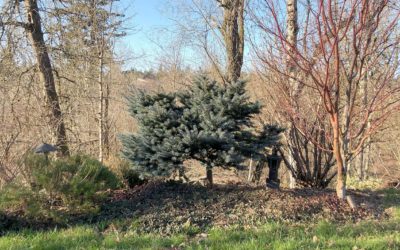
x=209, y=175
x=292, y=30
x=106, y=123
x=341, y=170
x=46, y=75
x=250, y=176
x=291, y=37
x=97, y=43
x=101, y=107
x=364, y=154
x=233, y=34
x=340, y=145
x=292, y=177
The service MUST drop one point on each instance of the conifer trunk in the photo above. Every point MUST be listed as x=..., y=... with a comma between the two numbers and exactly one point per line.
x=106, y=124
x=46, y=76
x=209, y=174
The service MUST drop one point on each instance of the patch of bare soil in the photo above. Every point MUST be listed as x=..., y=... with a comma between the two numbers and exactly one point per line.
x=168, y=207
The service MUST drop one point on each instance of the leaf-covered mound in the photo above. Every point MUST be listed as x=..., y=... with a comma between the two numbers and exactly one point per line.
x=171, y=207
x=168, y=207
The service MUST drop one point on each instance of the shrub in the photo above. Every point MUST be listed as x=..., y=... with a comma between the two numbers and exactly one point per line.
x=74, y=180
x=132, y=178
x=124, y=171
x=87, y=177
x=17, y=199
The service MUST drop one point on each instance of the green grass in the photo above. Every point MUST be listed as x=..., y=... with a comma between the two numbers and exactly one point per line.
x=324, y=235
x=384, y=234
x=85, y=237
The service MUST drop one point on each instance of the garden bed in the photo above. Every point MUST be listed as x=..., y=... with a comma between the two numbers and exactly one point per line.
x=166, y=208
x=171, y=207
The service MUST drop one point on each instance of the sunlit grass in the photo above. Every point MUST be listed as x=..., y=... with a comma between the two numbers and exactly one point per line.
x=324, y=235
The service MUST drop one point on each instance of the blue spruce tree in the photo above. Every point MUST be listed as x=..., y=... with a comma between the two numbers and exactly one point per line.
x=156, y=149
x=209, y=122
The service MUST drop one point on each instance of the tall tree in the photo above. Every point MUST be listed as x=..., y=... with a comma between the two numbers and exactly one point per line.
x=219, y=27
x=33, y=27
x=232, y=30
x=291, y=36
x=88, y=29
x=347, y=40
x=103, y=26
x=288, y=100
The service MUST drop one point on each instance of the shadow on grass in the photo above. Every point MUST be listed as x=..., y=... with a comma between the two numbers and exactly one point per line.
x=83, y=237
x=151, y=198
x=391, y=197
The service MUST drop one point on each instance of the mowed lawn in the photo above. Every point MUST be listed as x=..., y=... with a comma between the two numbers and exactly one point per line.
x=372, y=234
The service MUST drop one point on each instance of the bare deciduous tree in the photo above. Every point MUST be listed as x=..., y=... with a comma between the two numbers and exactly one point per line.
x=33, y=26
x=347, y=40
x=232, y=30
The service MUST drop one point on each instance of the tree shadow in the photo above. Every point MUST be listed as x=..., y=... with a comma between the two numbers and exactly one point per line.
x=14, y=223
x=391, y=197
x=130, y=204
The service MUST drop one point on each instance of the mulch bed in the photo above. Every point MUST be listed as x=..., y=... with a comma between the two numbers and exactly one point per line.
x=168, y=207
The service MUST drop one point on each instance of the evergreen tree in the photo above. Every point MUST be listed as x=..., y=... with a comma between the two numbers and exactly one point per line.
x=157, y=149
x=209, y=122
x=218, y=115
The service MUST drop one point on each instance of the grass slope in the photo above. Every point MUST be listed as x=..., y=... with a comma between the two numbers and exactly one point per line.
x=372, y=234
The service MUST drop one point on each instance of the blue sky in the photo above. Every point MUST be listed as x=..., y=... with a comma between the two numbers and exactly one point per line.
x=144, y=16
x=147, y=16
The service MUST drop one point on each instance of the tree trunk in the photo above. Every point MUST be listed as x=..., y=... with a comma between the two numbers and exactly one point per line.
x=233, y=34
x=292, y=178
x=106, y=124
x=361, y=173
x=97, y=39
x=250, y=176
x=292, y=31
x=340, y=145
x=209, y=176
x=367, y=158
x=337, y=151
x=364, y=154
x=46, y=75
x=101, y=107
